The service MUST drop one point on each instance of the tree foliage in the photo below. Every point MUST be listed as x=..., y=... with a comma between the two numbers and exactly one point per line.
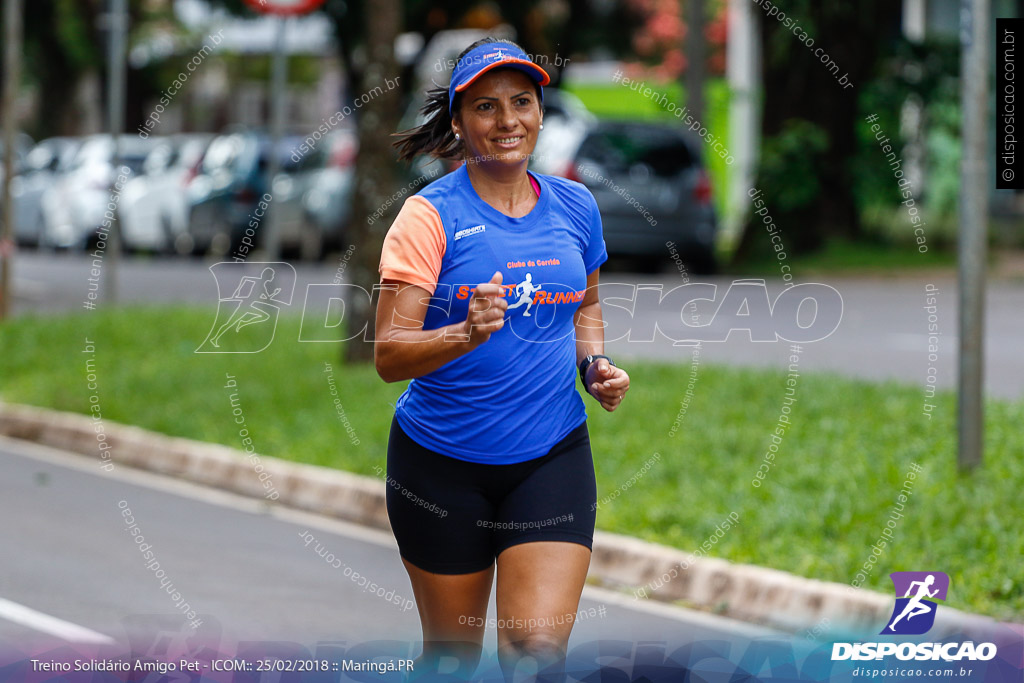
x=810, y=121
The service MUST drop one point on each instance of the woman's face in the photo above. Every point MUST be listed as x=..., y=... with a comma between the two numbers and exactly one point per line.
x=499, y=118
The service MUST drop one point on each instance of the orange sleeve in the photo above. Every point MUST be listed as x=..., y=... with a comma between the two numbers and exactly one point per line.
x=414, y=245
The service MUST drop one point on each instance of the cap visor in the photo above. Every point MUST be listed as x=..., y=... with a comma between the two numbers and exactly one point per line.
x=521, y=64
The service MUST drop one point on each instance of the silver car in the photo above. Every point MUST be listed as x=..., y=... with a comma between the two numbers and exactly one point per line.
x=43, y=166
x=154, y=206
x=75, y=208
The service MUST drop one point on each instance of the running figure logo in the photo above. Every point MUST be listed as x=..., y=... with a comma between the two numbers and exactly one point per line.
x=255, y=303
x=914, y=612
x=525, y=289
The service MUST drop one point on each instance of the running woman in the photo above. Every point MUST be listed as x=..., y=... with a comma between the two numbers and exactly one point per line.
x=491, y=429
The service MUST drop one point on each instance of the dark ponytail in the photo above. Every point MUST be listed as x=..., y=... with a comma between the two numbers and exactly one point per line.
x=435, y=136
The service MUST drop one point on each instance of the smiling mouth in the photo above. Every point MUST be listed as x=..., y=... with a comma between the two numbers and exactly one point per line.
x=510, y=141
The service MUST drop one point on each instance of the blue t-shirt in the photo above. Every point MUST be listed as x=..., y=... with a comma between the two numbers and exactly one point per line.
x=513, y=397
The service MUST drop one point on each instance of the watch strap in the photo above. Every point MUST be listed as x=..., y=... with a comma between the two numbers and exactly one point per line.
x=586, y=363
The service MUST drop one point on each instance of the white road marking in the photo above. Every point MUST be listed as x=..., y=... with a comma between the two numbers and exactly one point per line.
x=65, y=630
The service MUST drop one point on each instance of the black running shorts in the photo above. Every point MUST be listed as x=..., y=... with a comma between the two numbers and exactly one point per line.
x=451, y=516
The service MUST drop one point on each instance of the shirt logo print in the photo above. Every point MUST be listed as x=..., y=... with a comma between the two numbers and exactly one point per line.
x=466, y=232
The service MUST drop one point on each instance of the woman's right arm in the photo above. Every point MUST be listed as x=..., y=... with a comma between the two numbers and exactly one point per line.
x=404, y=350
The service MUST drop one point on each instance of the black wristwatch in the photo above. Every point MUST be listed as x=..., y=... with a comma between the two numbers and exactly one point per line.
x=585, y=363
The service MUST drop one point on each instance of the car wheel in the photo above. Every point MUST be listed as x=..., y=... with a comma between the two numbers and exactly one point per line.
x=184, y=244
x=168, y=233
x=312, y=246
x=646, y=265
x=220, y=245
x=703, y=262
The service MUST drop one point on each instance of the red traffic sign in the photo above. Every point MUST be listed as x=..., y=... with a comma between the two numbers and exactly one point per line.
x=284, y=7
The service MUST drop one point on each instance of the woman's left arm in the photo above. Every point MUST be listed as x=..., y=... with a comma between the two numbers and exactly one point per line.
x=605, y=382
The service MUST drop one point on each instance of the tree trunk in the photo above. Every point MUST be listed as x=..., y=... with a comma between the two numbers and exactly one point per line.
x=46, y=57
x=695, y=47
x=375, y=171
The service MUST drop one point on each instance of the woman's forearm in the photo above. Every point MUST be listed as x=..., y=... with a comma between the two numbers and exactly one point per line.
x=410, y=353
x=589, y=331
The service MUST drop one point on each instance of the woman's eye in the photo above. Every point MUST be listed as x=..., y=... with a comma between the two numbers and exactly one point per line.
x=484, y=106
x=523, y=101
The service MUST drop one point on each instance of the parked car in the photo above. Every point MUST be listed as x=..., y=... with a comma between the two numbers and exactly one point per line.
x=225, y=191
x=22, y=146
x=328, y=204
x=43, y=166
x=652, y=188
x=567, y=122
x=298, y=175
x=154, y=207
x=231, y=194
x=74, y=207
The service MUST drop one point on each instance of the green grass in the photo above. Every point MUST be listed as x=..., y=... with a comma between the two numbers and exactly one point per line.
x=614, y=101
x=850, y=258
x=824, y=501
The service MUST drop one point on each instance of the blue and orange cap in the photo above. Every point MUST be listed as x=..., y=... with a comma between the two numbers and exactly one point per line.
x=483, y=58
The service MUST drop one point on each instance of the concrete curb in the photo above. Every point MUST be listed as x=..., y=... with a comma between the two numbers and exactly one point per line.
x=746, y=592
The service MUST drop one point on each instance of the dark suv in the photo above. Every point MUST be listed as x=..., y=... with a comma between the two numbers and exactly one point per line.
x=651, y=187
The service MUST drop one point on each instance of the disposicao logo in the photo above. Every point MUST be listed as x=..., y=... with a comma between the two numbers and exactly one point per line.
x=914, y=614
x=916, y=593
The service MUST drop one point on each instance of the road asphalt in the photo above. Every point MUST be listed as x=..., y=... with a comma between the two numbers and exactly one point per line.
x=243, y=567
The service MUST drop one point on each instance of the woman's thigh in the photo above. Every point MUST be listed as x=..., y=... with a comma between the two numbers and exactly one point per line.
x=555, y=501
x=438, y=512
x=544, y=557
x=452, y=607
x=538, y=591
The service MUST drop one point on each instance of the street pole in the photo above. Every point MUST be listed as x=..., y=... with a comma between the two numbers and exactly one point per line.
x=12, y=77
x=743, y=71
x=974, y=35
x=278, y=91
x=117, y=24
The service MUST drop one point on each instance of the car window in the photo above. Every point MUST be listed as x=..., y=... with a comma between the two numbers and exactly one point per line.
x=293, y=159
x=189, y=153
x=159, y=159
x=134, y=162
x=619, y=149
x=67, y=156
x=93, y=151
x=222, y=153
x=42, y=157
